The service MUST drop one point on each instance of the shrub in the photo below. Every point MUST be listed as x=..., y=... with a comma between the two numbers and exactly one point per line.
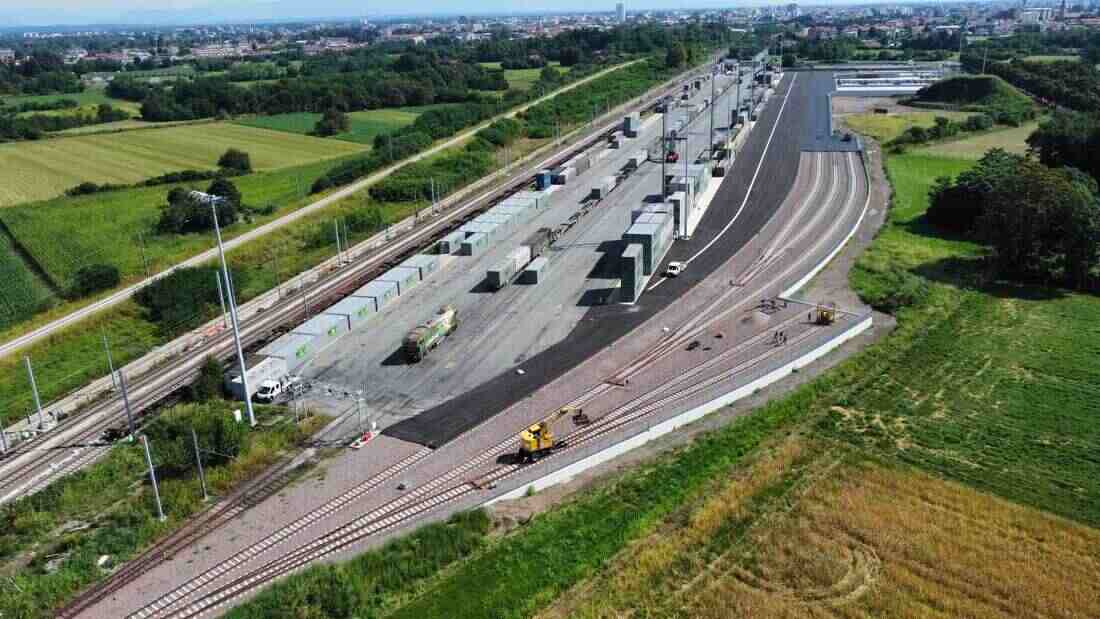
x=235, y=160
x=95, y=277
x=894, y=289
x=208, y=385
x=182, y=300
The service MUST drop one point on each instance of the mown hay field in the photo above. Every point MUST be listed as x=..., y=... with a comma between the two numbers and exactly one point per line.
x=811, y=530
x=886, y=127
x=1013, y=140
x=45, y=169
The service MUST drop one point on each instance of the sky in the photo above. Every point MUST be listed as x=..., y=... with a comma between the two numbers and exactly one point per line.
x=17, y=13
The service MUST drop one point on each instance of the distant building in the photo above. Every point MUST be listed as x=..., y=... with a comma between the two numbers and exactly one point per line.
x=793, y=11
x=7, y=56
x=620, y=12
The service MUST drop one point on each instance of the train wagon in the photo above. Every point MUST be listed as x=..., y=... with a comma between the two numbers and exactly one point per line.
x=421, y=340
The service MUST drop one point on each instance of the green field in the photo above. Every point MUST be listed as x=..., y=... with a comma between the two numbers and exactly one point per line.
x=45, y=169
x=91, y=96
x=1053, y=58
x=1013, y=140
x=522, y=79
x=64, y=234
x=364, y=125
x=24, y=293
x=886, y=127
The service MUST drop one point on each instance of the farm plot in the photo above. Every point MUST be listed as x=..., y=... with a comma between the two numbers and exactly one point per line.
x=45, y=169
x=23, y=294
x=65, y=234
x=365, y=125
x=1013, y=140
x=886, y=127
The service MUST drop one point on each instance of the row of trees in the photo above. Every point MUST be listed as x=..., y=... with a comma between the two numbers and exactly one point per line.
x=14, y=127
x=942, y=129
x=1074, y=85
x=1042, y=223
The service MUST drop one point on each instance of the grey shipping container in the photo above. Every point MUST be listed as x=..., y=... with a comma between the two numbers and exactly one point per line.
x=603, y=188
x=654, y=239
x=405, y=278
x=452, y=243
x=424, y=263
x=632, y=273
x=381, y=292
x=563, y=175
x=540, y=199
x=292, y=348
x=532, y=273
x=502, y=274
x=518, y=214
x=524, y=202
x=661, y=207
x=324, y=328
x=260, y=368
x=581, y=164
x=489, y=230
x=539, y=242
x=475, y=244
x=499, y=219
x=356, y=310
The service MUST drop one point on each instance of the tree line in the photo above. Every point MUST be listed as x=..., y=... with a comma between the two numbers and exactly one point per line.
x=1041, y=223
x=14, y=127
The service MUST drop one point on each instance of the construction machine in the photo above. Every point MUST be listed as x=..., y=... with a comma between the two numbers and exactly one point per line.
x=538, y=440
x=824, y=315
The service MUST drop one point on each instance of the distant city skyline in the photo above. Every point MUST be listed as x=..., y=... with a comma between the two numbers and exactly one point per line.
x=20, y=13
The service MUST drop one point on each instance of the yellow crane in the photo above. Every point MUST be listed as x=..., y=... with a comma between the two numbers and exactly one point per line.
x=824, y=315
x=538, y=439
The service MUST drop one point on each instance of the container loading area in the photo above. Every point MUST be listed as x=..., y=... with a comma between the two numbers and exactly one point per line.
x=511, y=303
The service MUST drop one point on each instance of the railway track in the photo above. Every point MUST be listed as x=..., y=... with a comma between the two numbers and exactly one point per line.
x=30, y=467
x=206, y=593
x=456, y=484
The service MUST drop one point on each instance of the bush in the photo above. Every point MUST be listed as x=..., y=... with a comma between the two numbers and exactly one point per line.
x=894, y=289
x=184, y=299
x=236, y=160
x=184, y=214
x=208, y=385
x=220, y=439
x=334, y=122
x=95, y=277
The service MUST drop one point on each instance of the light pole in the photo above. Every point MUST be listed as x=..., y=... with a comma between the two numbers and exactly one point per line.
x=234, y=318
x=153, y=477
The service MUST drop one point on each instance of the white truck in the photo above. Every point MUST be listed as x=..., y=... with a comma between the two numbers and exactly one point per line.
x=271, y=389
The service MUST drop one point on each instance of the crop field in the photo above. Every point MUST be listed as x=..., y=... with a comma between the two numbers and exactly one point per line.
x=41, y=170
x=65, y=234
x=1013, y=140
x=90, y=97
x=885, y=127
x=23, y=293
x=125, y=125
x=816, y=532
x=364, y=125
x=1052, y=58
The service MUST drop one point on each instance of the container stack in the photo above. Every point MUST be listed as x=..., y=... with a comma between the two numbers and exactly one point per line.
x=632, y=273
x=381, y=293
x=655, y=237
x=503, y=273
x=542, y=179
x=452, y=243
x=631, y=125
x=406, y=278
x=603, y=188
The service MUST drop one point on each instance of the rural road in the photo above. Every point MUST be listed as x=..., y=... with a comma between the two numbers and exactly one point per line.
x=76, y=316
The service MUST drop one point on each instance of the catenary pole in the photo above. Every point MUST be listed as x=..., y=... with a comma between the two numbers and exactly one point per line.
x=153, y=477
x=110, y=363
x=198, y=460
x=126, y=403
x=34, y=390
x=235, y=320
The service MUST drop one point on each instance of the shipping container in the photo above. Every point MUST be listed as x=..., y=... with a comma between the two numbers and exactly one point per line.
x=655, y=239
x=539, y=199
x=503, y=273
x=292, y=348
x=499, y=219
x=660, y=207
x=563, y=175
x=355, y=310
x=632, y=273
x=260, y=368
x=542, y=179
x=540, y=241
x=532, y=273
x=517, y=214
x=475, y=244
x=426, y=264
x=581, y=164
x=603, y=189
x=405, y=278
x=324, y=328
x=489, y=230
x=381, y=292
x=452, y=243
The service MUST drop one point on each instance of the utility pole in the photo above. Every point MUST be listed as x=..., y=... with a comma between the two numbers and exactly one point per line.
x=126, y=403
x=339, y=254
x=347, y=242
x=664, y=151
x=359, y=410
x=153, y=477
x=144, y=259
x=110, y=363
x=198, y=460
x=985, y=57
x=710, y=144
x=34, y=390
x=221, y=299
x=235, y=320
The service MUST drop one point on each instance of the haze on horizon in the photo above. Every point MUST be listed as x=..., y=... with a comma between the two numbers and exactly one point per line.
x=17, y=13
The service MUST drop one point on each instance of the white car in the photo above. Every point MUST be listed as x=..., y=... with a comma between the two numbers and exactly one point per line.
x=675, y=268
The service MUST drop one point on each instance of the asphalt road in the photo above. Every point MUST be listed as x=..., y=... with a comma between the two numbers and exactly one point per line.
x=747, y=193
